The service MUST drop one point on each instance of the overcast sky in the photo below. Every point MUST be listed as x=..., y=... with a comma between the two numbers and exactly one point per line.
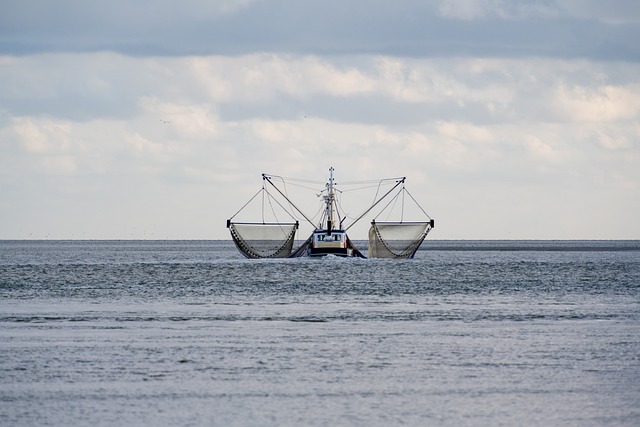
x=154, y=119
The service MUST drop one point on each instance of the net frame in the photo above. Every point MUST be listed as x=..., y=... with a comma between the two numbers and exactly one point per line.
x=281, y=248
x=380, y=247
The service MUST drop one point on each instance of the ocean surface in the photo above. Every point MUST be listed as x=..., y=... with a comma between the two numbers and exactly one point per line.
x=189, y=333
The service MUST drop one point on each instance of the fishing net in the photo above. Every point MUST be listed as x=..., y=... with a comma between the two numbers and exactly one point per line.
x=396, y=240
x=264, y=240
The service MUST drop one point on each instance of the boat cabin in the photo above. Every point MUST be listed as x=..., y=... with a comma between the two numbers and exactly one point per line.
x=326, y=242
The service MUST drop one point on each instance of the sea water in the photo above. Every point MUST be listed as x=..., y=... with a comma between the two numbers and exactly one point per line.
x=189, y=333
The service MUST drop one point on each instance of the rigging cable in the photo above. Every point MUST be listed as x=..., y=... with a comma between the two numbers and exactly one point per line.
x=393, y=200
x=418, y=204
x=245, y=205
x=404, y=190
x=271, y=197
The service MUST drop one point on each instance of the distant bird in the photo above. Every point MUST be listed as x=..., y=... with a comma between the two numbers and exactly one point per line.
x=164, y=121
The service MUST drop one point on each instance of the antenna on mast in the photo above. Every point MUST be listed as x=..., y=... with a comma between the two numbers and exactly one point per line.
x=329, y=202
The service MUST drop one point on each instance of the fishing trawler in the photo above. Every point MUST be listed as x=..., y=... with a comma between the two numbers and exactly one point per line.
x=275, y=238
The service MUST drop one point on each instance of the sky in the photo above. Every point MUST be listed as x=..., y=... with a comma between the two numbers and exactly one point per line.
x=154, y=119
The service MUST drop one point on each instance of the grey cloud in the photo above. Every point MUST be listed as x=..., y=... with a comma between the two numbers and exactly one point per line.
x=405, y=28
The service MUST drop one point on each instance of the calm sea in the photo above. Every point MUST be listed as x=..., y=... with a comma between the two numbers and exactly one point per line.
x=189, y=333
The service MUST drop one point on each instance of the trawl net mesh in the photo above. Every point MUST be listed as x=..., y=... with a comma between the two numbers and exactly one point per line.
x=264, y=240
x=396, y=240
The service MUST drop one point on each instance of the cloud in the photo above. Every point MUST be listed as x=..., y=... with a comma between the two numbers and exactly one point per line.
x=116, y=125
x=620, y=12
x=43, y=137
x=614, y=13
x=469, y=10
x=416, y=28
x=542, y=150
x=604, y=103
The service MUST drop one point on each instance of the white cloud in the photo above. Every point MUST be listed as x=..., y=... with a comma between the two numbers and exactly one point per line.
x=465, y=132
x=617, y=138
x=472, y=134
x=42, y=135
x=599, y=103
x=182, y=120
x=259, y=78
x=60, y=165
x=542, y=150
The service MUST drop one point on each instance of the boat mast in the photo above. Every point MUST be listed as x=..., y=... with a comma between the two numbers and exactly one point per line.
x=329, y=202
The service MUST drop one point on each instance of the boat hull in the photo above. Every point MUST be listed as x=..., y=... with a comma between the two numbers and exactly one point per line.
x=320, y=252
x=331, y=242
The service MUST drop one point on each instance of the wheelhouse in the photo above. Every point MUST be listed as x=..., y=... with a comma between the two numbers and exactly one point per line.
x=325, y=242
